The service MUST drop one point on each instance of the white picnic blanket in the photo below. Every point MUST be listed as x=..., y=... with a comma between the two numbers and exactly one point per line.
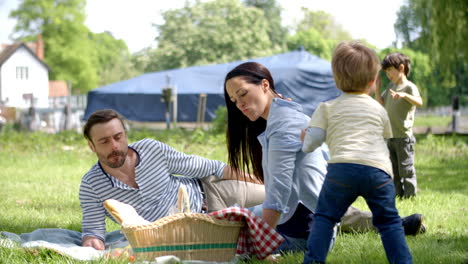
x=63, y=241
x=68, y=243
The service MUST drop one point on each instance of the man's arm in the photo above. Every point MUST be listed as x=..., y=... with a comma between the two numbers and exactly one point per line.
x=90, y=241
x=194, y=166
x=93, y=222
x=199, y=167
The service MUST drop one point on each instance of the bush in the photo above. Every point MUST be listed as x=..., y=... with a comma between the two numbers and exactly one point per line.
x=219, y=123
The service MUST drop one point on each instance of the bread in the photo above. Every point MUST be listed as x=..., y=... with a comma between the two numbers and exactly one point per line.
x=126, y=215
x=123, y=213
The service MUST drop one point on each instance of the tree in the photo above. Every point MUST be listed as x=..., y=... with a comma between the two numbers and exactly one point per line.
x=216, y=31
x=313, y=42
x=272, y=11
x=439, y=28
x=318, y=33
x=67, y=49
x=141, y=59
x=324, y=23
x=112, y=58
x=406, y=27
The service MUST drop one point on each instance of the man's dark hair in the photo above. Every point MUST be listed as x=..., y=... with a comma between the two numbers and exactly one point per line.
x=395, y=60
x=99, y=117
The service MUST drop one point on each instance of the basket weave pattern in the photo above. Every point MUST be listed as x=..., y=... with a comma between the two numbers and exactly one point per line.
x=189, y=236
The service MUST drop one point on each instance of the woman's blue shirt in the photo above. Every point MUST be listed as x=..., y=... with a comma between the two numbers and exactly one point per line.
x=291, y=176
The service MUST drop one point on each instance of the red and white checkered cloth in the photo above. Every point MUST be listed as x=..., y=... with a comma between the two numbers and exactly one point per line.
x=257, y=237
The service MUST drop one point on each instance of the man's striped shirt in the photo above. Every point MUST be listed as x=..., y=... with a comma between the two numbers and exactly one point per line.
x=158, y=175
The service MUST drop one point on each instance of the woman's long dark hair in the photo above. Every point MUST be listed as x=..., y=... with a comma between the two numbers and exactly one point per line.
x=244, y=149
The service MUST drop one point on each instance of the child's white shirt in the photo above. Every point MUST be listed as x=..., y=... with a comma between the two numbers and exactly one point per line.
x=356, y=127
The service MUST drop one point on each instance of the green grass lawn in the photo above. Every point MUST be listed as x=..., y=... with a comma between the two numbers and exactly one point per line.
x=432, y=120
x=41, y=175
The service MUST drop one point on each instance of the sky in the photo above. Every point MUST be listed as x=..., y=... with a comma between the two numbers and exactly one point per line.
x=132, y=20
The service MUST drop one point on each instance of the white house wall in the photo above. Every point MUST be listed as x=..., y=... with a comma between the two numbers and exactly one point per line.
x=13, y=89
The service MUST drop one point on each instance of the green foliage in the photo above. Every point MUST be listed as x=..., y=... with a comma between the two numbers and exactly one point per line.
x=324, y=23
x=207, y=32
x=314, y=42
x=443, y=21
x=67, y=49
x=219, y=123
x=112, y=58
x=141, y=60
x=439, y=28
x=406, y=26
x=318, y=33
x=272, y=11
x=73, y=53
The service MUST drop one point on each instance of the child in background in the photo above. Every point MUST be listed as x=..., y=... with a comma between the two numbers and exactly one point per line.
x=354, y=127
x=400, y=100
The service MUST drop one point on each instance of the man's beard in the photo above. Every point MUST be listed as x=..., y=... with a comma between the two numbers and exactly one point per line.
x=119, y=162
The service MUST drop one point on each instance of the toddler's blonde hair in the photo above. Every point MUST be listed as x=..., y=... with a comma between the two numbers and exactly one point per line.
x=354, y=65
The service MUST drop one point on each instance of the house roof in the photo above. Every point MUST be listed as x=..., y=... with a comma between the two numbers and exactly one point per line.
x=58, y=88
x=9, y=50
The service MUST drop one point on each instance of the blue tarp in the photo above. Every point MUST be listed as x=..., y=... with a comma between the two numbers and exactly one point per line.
x=298, y=75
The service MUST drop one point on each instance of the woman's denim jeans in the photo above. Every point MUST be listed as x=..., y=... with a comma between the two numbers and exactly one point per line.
x=343, y=184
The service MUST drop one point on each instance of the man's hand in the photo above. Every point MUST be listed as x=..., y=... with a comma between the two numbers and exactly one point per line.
x=93, y=242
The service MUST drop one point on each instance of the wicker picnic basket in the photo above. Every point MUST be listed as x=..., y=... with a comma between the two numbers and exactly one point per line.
x=189, y=236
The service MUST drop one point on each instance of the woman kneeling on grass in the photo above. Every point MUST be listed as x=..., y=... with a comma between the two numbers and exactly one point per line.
x=264, y=135
x=292, y=178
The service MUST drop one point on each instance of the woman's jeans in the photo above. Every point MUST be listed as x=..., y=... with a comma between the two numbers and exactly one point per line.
x=343, y=184
x=295, y=231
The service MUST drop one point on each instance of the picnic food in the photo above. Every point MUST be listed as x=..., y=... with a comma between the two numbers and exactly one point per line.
x=123, y=213
x=189, y=236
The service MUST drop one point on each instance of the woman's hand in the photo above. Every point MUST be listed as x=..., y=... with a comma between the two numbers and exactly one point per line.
x=271, y=217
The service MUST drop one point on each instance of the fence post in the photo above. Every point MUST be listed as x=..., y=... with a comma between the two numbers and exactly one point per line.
x=455, y=113
x=201, y=110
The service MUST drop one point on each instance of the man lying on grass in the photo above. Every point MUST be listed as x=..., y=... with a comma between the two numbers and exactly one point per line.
x=147, y=175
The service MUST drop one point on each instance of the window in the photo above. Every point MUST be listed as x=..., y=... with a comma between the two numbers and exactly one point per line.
x=21, y=73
